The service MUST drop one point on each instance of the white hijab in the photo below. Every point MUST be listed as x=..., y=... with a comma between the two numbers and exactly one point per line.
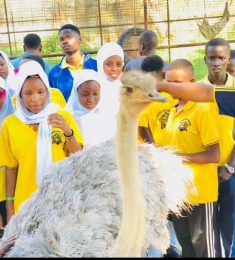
x=43, y=149
x=110, y=93
x=8, y=107
x=73, y=104
x=95, y=125
x=11, y=81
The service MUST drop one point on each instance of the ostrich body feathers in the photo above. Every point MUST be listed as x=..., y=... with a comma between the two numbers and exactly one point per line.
x=77, y=210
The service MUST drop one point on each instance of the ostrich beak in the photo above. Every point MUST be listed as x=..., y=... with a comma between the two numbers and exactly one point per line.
x=155, y=96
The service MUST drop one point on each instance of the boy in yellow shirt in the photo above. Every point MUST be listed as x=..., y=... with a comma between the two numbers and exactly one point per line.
x=224, y=97
x=217, y=57
x=151, y=130
x=191, y=131
x=153, y=120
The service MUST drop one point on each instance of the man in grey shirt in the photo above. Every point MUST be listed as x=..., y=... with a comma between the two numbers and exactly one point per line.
x=32, y=46
x=147, y=46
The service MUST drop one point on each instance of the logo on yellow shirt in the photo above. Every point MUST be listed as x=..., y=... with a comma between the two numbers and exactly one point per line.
x=184, y=124
x=162, y=116
x=56, y=137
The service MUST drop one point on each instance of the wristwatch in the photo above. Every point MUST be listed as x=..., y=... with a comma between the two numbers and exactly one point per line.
x=230, y=169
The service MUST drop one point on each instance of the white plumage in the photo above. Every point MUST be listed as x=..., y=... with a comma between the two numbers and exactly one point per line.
x=77, y=210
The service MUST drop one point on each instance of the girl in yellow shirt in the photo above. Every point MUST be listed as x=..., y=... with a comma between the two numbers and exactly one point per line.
x=36, y=135
x=55, y=94
x=6, y=108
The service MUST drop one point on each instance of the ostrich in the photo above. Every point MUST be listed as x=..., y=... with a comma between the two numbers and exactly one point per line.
x=92, y=206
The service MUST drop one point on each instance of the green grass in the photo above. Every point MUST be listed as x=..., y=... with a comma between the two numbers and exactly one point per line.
x=53, y=60
x=200, y=68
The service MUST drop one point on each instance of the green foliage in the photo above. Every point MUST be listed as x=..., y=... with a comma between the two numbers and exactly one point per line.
x=51, y=44
x=15, y=52
x=200, y=68
x=53, y=60
x=86, y=48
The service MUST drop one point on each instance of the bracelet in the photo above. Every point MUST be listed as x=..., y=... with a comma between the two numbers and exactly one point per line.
x=230, y=169
x=69, y=137
x=10, y=198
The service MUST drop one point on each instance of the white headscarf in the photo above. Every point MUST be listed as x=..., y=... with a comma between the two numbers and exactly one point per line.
x=95, y=125
x=73, y=104
x=110, y=92
x=11, y=81
x=43, y=149
x=8, y=107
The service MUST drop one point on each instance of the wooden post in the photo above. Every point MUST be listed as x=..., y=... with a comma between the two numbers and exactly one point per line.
x=145, y=15
x=8, y=31
x=168, y=30
x=100, y=23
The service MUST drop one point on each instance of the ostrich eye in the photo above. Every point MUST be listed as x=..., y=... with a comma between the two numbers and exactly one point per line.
x=129, y=90
x=150, y=95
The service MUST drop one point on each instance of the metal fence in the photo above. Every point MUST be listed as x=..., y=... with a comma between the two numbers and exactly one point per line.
x=176, y=22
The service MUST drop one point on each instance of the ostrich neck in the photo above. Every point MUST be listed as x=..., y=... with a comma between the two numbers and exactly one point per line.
x=126, y=143
x=130, y=233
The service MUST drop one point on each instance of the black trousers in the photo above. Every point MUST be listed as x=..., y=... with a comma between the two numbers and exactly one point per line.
x=3, y=212
x=224, y=217
x=194, y=230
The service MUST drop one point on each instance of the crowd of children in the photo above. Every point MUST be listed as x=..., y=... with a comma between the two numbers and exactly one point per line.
x=45, y=118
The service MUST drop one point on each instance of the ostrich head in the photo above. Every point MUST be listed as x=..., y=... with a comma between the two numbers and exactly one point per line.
x=139, y=90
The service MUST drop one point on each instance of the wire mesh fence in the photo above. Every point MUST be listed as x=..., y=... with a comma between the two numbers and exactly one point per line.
x=176, y=22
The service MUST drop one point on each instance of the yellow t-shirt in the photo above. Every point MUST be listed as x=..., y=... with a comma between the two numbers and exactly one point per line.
x=56, y=98
x=224, y=125
x=155, y=118
x=72, y=68
x=2, y=185
x=18, y=143
x=190, y=130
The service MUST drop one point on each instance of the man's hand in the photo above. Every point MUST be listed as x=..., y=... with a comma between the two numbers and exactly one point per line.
x=223, y=174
